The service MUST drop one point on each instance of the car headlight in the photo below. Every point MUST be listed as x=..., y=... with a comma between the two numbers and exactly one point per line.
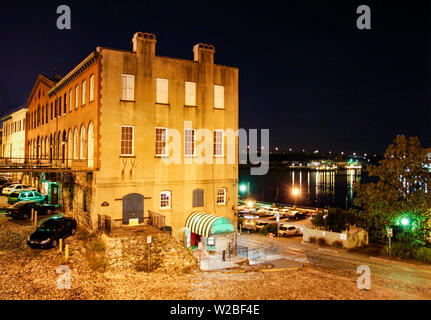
x=45, y=241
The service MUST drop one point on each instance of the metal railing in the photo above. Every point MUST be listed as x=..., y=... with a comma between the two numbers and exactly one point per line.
x=156, y=220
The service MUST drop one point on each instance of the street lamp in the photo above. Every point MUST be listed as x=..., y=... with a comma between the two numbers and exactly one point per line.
x=295, y=193
x=405, y=221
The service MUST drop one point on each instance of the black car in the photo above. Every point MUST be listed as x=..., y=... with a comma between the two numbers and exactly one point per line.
x=51, y=231
x=22, y=209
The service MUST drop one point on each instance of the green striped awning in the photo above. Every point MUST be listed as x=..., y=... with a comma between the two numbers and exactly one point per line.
x=202, y=222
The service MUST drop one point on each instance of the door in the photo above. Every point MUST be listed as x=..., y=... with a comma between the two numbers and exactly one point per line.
x=133, y=207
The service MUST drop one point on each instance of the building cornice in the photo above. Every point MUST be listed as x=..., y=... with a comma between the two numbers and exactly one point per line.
x=85, y=64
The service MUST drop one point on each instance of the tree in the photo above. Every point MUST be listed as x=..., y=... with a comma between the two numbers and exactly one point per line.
x=335, y=219
x=400, y=195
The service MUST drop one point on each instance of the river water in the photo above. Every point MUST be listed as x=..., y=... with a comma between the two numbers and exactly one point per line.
x=316, y=189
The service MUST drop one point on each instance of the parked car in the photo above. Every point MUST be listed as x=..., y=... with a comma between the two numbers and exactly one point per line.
x=5, y=185
x=48, y=234
x=296, y=215
x=16, y=187
x=17, y=196
x=313, y=215
x=22, y=210
x=289, y=231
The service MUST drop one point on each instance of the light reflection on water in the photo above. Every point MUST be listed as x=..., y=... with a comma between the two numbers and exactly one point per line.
x=322, y=189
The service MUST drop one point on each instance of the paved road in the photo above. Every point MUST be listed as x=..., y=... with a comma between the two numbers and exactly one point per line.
x=399, y=275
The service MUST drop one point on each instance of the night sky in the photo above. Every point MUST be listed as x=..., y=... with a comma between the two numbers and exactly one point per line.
x=306, y=72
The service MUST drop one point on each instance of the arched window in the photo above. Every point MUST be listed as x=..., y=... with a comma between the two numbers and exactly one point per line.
x=198, y=198
x=90, y=145
x=75, y=144
x=165, y=200
x=69, y=146
x=82, y=143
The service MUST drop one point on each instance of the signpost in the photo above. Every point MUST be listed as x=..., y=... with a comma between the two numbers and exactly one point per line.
x=389, y=233
x=149, y=240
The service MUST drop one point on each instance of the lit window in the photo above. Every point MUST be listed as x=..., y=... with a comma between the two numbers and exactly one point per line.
x=165, y=200
x=189, y=142
x=218, y=143
x=221, y=196
x=161, y=138
x=77, y=96
x=127, y=147
x=219, y=97
x=190, y=94
x=75, y=144
x=82, y=144
x=84, y=91
x=127, y=87
x=92, y=87
x=162, y=91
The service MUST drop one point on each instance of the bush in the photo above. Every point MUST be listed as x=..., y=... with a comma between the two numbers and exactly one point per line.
x=422, y=254
x=322, y=242
x=399, y=250
x=97, y=245
x=312, y=239
x=337, y=244
x=269, y=228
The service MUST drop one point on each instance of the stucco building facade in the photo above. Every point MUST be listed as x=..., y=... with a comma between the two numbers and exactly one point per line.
x=13, y=140
x=111, y=124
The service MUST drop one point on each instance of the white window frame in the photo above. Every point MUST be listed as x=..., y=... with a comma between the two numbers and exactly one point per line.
x=190, y=93
x=193, y=142
x=220, y=143
x=77, y=96
x=84, y=91
x=224, y=196
x=218, y=97
x=165, y=151
x=127, y=87
x=162, y=91
x=168, y=206
x=92, y=88
x=133, y=141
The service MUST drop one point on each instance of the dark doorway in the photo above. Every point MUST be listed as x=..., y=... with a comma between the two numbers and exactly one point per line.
x=133, y=207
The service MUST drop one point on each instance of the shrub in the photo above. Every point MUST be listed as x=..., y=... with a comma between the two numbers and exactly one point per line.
x=97, y=245
x=322, y=242
x=269, y=228
x=337, y=244
x=422, y=254
x=312, y=239
x=399, y=250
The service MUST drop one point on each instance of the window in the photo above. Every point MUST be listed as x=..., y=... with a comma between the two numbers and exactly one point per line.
x=75, y=144
x=221, y=196
x=198, y=198
x=165, y=200
x=127, y=87
x=127, y=147
x=65, y=103
x=190, y=94
x=70, y=100
x=219, y=97
x=189, y=142
x=92, y=87
x=82, y=144
x=77, y=96
x=84, y=88
x=162, y=91
x=218, y=143
x=161, y=138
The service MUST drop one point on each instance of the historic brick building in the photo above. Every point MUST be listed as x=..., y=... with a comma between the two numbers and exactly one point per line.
x=107, y=123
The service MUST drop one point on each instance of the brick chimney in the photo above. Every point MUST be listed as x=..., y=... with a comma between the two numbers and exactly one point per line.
x=204, y=53
x=144, y=44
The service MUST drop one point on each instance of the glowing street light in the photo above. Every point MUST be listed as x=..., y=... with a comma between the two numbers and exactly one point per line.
x=405, y=221
x=295, y=192
x=243, y=188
